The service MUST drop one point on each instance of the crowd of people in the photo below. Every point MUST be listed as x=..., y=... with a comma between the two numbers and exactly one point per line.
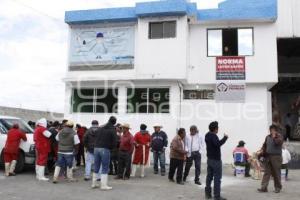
x=111, y=149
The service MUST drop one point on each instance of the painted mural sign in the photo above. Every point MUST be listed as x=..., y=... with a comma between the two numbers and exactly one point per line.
x=230, y=79
x=102, y=46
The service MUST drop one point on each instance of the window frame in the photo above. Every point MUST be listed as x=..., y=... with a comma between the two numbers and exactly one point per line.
x=148, y=100
x=94, y=100
x=163, y=31
x=238, y=28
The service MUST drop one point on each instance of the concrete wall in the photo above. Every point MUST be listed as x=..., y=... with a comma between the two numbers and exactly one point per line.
x=288, y=23
x=30, y=115
x=260, y=68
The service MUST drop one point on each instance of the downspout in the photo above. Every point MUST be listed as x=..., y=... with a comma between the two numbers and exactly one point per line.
x=180, y=86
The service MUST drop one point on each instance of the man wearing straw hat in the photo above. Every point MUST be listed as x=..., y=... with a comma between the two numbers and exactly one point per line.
x=125, y=153
x=158, y=145
x=142, y=141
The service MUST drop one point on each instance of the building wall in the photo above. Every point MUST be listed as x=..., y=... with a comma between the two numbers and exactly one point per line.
x=288, y=22
x=202, y=69
x=162, y=58
x=248, y=121
x=240, y=121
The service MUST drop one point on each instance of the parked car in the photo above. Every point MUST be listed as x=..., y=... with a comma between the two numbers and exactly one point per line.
x=27, y=149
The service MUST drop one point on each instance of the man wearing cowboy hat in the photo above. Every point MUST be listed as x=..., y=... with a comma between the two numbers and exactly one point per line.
x=159, y=143
x=125, y=153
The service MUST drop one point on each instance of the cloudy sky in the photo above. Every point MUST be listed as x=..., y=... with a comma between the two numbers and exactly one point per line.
x=33, y=49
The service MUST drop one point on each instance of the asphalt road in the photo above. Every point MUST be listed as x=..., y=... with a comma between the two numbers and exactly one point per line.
x=153, y=187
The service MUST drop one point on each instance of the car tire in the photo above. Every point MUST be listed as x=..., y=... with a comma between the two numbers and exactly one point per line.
x=20, y=163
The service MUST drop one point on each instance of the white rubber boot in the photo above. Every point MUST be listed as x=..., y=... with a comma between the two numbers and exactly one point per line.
x=104, y=180
x=41, y=172
x=142, y=171
x=12, y=168
x=70, y=175
x=37, y=169
x=133, y=171
x=94, y=181
x=7, y=167
x=56, y=174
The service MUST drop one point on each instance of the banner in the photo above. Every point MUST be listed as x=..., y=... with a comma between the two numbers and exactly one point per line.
x=230, y=79
x=102, y=46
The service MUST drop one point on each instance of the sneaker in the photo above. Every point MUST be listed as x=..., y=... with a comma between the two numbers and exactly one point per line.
x=220, y=198
x=180, y=183
x=171, y=180
x=277, y=190
x=262, y=190
x=198, y=183
x=208, y=196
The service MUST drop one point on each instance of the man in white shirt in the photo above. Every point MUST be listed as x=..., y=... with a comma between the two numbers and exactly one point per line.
x=195, y=146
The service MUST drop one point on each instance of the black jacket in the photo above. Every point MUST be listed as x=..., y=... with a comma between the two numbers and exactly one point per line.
x=159, y=140
x=106, y=137
x=89, y=139
x=213, y=146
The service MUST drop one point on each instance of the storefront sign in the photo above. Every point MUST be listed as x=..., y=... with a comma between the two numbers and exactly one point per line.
x=231, y=68
x=198, y=94
x=230, y=79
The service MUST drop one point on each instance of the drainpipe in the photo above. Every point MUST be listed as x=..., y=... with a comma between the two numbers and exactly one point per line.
x=180, y=86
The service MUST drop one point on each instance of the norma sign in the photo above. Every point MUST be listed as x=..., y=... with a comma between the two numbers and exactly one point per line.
x=230, y=79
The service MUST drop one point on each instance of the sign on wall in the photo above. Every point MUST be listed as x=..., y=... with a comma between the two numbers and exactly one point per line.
x=102, y=46
x=231, y=76
x=198, y=94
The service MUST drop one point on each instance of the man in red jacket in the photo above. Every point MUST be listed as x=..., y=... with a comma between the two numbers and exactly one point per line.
x=43, y=148
x=11, y=149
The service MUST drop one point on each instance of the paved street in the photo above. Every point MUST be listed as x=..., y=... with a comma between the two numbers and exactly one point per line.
x=154, y=187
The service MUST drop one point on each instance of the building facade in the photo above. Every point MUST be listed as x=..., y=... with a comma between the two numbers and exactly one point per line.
x=157, y=63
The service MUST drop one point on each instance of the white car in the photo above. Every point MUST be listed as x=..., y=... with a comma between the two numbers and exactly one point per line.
x=27, y=149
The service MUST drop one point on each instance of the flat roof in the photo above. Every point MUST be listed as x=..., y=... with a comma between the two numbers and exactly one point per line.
x=229, y=10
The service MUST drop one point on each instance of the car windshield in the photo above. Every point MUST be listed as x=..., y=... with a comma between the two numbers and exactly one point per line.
x=8, y=123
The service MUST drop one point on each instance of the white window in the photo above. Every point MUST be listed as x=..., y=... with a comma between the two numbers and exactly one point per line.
x=230, y=42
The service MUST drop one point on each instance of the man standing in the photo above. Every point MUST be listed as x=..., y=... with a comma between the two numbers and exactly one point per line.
x=114, y=154
x=105, y=142
x=177, y=155
x=214, y=162
x=195, y=146
x=125, y=153
x=80, y=132
x=67, y=140
x=11, y=149
x=89, y=144
x=142, y=140
x=42, y=145
x=272, y=150
x=54, y=129
x=158, y=145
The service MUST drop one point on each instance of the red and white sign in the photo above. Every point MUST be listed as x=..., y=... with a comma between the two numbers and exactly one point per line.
x=231, y=68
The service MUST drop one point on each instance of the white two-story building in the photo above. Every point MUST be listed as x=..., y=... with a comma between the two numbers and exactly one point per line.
x=157, y=63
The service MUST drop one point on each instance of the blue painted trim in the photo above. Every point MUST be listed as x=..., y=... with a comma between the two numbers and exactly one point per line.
x=230, y=10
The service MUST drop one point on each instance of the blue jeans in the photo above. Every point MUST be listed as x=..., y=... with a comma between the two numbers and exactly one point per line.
x=102, y=159
x=89, y=161
x=159, y=156
x=65, y=160
x=214, y=172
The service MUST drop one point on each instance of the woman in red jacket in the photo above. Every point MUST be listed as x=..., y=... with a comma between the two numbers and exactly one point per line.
x=11, y=149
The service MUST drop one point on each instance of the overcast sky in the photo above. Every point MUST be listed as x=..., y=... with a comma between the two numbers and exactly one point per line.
x=33, y=49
